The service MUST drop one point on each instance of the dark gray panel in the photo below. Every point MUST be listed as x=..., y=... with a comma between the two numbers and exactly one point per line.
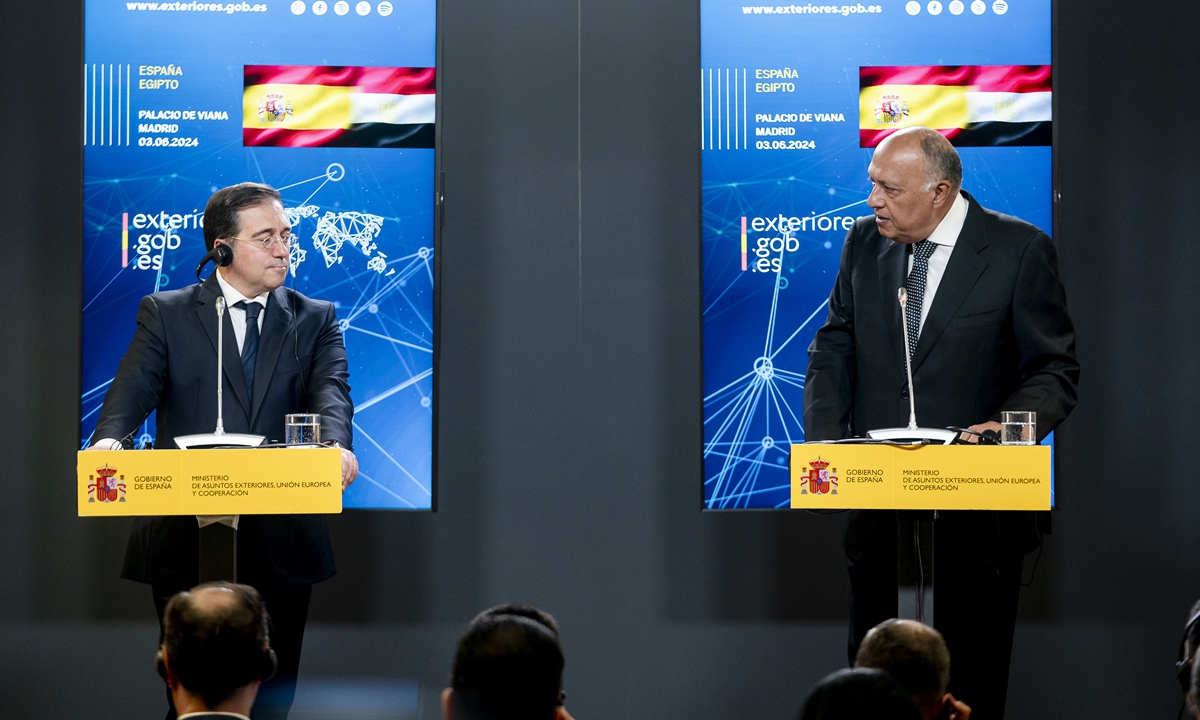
x=569, y=473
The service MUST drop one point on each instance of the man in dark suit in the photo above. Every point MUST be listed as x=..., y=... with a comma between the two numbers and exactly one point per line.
x=283, y=354
x=988, y=323
x=215, y=651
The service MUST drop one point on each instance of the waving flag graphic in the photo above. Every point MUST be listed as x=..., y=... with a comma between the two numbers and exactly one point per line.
x=336, y=106
x=972, y=105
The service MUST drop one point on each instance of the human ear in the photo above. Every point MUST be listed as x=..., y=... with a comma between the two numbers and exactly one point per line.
x=942, y=193
x=560, y=713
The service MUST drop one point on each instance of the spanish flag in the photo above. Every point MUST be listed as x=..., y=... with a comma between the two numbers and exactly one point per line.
x=972, y=105
x=336, y=106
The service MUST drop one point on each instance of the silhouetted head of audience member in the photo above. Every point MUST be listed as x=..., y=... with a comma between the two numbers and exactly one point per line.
x=508, y=666
x=859, y=694
x=1186, y=669
x=915, y=655
x=216, y=649
x=1192, y=699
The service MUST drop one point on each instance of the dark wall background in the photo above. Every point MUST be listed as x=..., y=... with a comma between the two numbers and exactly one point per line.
x=570, y=383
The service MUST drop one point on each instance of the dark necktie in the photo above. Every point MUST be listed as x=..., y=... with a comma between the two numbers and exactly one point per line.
x=915, y=286
x=250, y=343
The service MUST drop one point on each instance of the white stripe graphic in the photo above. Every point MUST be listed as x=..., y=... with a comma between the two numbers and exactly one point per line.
x=391, y=108
x=724, y=113
x=1008, y=107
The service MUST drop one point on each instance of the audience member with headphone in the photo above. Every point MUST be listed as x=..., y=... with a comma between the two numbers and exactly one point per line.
x=915, y=656
x=216, y=650
x=508, y=666
x=1186, y=668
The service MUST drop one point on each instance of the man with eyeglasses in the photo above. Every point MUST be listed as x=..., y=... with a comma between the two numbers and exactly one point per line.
x=288, y=358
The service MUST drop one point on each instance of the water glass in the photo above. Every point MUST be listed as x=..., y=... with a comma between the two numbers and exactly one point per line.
x=302, y=428
x=1018, y=427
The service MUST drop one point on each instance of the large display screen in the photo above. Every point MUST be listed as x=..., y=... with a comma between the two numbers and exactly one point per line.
x=794, y=98
x=331, y=103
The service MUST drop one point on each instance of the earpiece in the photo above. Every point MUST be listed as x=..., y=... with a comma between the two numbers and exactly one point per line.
x=270, y=663
x=221, y=255
x=296, y=344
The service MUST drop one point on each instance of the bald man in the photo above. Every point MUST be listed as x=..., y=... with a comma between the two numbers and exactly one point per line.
x=916, y=656
x=989, y=330
x=216, y=650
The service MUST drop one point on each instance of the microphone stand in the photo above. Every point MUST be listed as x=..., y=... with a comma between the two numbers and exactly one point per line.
x=912, y=433
x=218, y=535
x=915, y=533
x=218, y=437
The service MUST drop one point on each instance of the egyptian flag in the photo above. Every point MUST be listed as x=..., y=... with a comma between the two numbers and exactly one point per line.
x=972, y=105
x=338, y=106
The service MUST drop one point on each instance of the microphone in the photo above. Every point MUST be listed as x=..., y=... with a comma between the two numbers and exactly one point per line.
x=902, y=293
x=912, y=433
x=218, y=437
x=221, y=255
x=221, y=356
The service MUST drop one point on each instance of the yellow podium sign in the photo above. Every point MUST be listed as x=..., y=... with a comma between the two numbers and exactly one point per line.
x=243, y=481
x=920, y=477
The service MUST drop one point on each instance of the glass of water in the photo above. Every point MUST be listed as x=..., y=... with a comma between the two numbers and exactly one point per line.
x=1018, y=427
x=302, y=428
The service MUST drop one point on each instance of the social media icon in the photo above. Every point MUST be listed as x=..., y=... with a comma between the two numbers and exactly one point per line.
x=999, y=7
x=384, y=8
x=934, y=7
x=978, y=7
x=320, y=7
x=341, y=7
x=913, y=7
x=956, y=7
x=363, y=8
x=298, y=7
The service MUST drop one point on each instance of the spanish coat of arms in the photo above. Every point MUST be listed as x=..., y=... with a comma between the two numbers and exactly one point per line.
x=106, y=486
x=819, y=479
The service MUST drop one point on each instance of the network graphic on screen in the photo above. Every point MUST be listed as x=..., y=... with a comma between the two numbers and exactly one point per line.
x=180, y=104
x=793, y=100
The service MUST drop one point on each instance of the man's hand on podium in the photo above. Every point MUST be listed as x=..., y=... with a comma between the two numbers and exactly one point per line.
x=990, y=425
x=349, y=462
x=106, y=444
x=349, y=468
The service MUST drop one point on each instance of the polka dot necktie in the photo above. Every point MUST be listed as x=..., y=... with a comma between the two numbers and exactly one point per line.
x=915, y=286
x=250, y=342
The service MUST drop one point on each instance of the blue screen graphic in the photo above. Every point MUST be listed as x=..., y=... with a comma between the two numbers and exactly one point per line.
x=783, y=149
x=166, y=95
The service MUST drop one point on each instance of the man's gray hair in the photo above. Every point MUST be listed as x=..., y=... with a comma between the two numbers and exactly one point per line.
x=915, y=655
x=941, y=159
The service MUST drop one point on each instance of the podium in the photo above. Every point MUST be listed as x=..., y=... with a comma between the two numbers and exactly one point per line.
x=919, y=480
x=239, y=481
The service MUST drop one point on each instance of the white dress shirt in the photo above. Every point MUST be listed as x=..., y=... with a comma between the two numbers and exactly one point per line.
x=945, y=235
x=237, y=316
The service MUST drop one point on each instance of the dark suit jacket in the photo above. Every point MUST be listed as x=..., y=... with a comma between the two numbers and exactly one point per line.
x=171, y=366
x=997, y=337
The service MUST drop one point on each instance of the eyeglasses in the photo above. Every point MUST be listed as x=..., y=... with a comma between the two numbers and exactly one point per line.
x=271, y=242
